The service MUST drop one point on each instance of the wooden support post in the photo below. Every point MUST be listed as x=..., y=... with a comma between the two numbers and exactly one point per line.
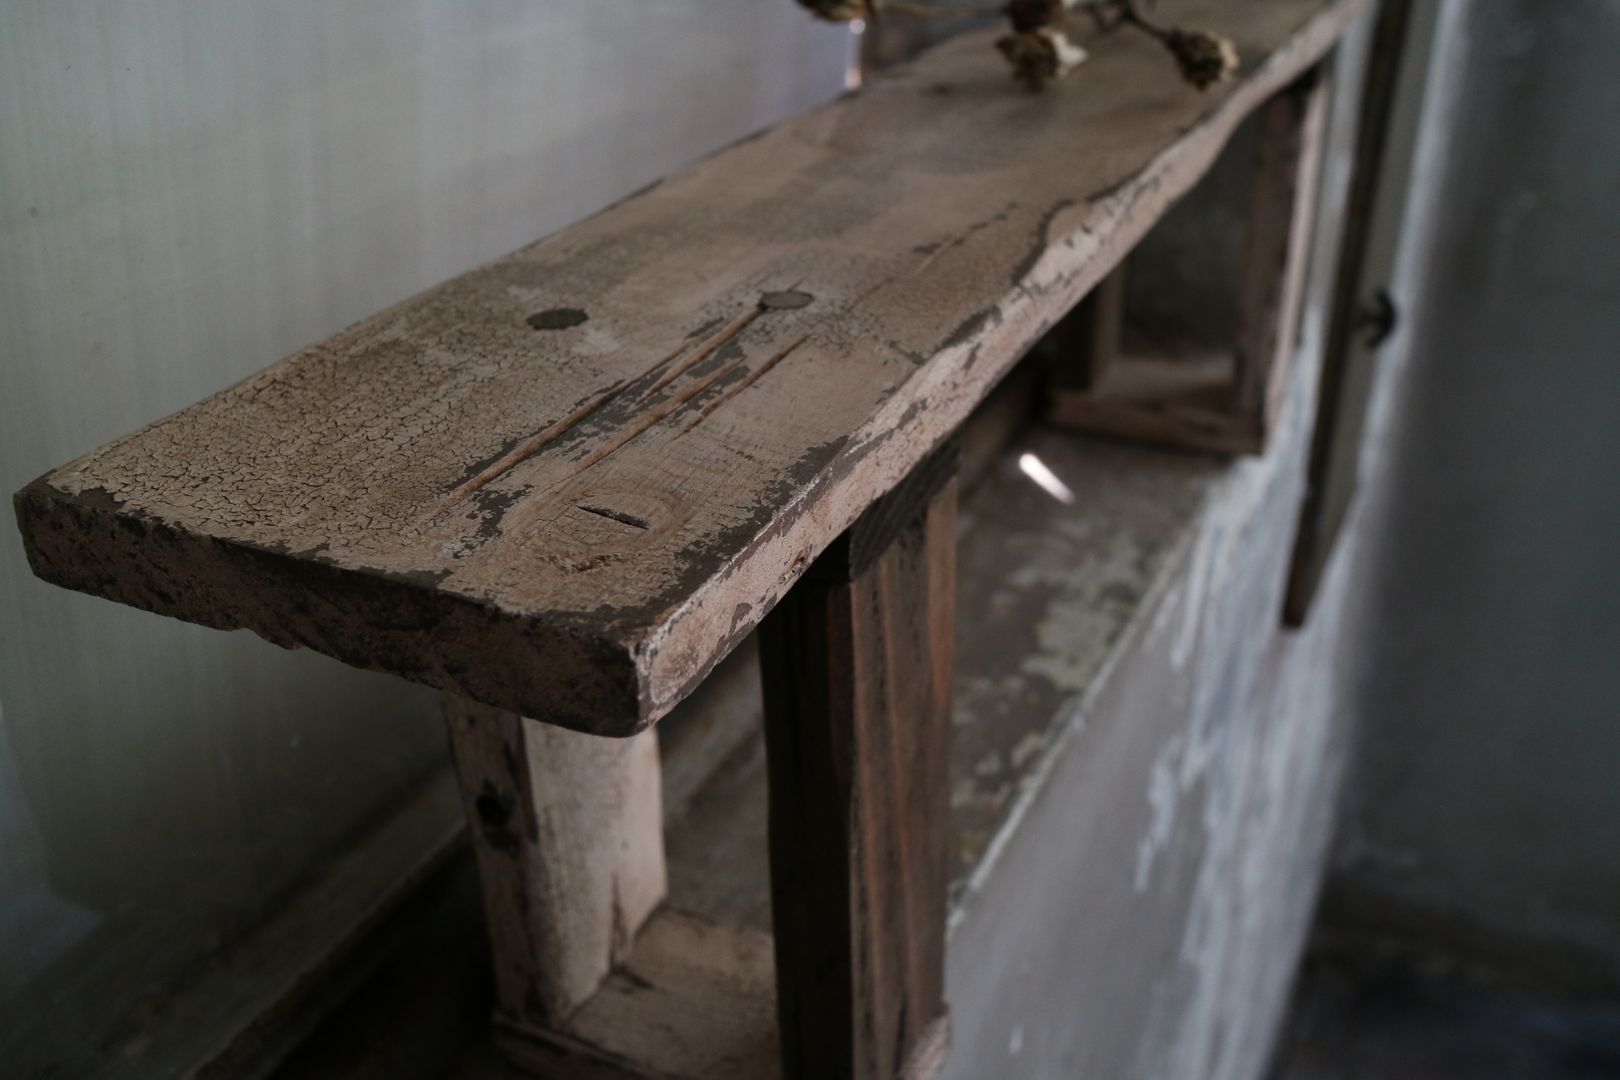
x=1275, y=251
x=568, y=830
x=1375, y=208
x=857, y=675
x=1092, y=335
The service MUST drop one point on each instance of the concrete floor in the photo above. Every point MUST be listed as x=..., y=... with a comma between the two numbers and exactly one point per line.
x=1399, y=1019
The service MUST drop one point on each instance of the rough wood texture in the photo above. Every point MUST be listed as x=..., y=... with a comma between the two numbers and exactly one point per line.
x=568, y=482
x=857, y=674
x=1227, y=404
x=692, y=1001
x=569, y=834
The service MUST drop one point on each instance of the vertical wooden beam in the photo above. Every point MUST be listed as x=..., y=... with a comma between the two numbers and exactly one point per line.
x=857, y=676
x=1083, y=345
x=1101, y=327
x=568, y=831
x=1276, y=247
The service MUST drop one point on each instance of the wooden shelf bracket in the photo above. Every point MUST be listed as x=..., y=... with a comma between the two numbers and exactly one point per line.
x=857, y=675
x=1100, y=386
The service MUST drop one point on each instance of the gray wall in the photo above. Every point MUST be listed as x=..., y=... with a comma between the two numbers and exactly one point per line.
x=1487, y=795
x=187, y=192
x=1145, y=919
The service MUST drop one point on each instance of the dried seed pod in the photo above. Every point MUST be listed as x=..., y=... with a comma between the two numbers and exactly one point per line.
x=838, y=10
x=1038, y=56
x=1204, y=58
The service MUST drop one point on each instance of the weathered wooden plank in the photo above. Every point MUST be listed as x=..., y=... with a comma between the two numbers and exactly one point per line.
x=1276, y=250
x=692, y=1001
x=568, y=829
x=857, y=670
x=568, y=482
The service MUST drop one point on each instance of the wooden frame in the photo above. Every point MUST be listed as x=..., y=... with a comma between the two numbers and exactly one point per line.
x=593, y=978
x=1182, y=400
x=564, y=519
x=857, y=676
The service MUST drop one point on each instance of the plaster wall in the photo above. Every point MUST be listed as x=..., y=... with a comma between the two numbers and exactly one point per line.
x=188, y=192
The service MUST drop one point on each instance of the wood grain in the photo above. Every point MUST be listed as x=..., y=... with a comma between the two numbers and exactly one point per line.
x=856, y=665
x=692, y=1001
x=568, y=829
x=1194, y=399
x=568, y=482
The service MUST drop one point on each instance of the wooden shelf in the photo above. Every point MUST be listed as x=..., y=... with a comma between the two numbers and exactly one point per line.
x=567, y=483
x=1056, y=590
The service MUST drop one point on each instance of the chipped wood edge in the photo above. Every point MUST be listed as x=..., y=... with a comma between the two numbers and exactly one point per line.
x=618, y=682
x=1171, y=424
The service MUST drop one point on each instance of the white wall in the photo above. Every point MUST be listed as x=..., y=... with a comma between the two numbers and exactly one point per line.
x=187, y=192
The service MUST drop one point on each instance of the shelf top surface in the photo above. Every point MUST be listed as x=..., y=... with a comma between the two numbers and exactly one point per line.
x=569, y=481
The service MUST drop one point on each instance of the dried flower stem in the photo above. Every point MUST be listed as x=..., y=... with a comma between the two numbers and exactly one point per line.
x=1204, y=58
x=1039, y=50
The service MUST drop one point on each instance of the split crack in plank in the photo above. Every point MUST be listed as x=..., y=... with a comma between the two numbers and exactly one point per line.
x=530, y=447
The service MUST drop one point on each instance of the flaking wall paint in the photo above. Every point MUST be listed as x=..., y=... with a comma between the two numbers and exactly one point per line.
x=188, y=192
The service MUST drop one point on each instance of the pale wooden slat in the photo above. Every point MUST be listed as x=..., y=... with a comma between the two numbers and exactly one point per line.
x=576, y=523
x=568, y=829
